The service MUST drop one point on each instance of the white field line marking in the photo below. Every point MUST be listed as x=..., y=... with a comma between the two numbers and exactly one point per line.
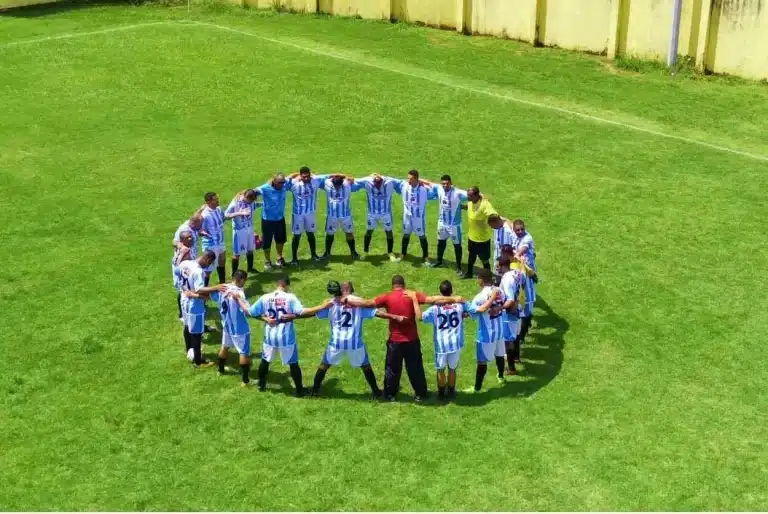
x=510, y=98
x=72, y=35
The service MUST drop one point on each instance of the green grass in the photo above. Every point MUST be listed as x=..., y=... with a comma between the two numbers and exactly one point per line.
x=644, y=384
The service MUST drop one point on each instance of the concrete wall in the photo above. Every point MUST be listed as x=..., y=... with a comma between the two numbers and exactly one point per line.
x=515, y=19
x=580, y=25
x=371, y=9
x=740, y=38
x=437, y=13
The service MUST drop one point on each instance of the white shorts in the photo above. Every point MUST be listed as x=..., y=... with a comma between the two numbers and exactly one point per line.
x=445, y=232
x=332, y=223
x=301, y=223
x=447, y=359
x=288, y=354
x=195, y=322
x=357, y=358
x=241, y=343
x=412, y=224
x=486, y=352
x=243, y=241
x=218, y=250
x=384, y=219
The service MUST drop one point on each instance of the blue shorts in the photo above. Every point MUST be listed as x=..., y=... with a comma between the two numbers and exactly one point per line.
x=526, y=311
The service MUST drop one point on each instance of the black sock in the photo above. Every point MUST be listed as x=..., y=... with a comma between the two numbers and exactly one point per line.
x=245, y=373
x=319, y=377
x=296, y=376
x=471, y=263
x=367, y=241
x=511, y=356
x=328, y=244
x=249, y=258
x=480, y=376
x=441, y=246
x=441, y=391
x=487, y=265
x=263, y=371
x=235, y=264
x=390, y=242
x=312, y=243
x=206, y=279
x=371, y=379
x=404, y=245
x=424, y=248
x=295, y=246
x=351, y=244
x=187, y=339
x=451, y=389
x=500, y=366
x=457, y=253
x=178, y=302
x=222, y=272
x=196, y=340
x=525, y=324
x=222, y=362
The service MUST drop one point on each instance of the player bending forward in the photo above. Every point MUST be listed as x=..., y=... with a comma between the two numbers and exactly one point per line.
x=347, y=336
x=236, y=332
x=490, y=328
x=240, y=211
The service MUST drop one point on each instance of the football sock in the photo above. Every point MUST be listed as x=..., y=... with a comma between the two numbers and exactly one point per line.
x=249, y=258
x=263, y=371
x=197, y=340
x=235, y=264
x=222, y=362
x=351, y=244
x=480, y=376
x=390, y=242
x=328, y=244
x=319, y=377
x=296, y=376
x=500, y=366
x=424, y=248
x=511, y=356
x=457, y=253
x=178, y=302
x=371, y=379
x=245, y=373
x=487, y=265
x=404, y=245
x=222, y=272
x=295, y=246
x=187, y=340
x=525, y=325
x=441, y=392
x=312, y=243
x=441, y=245
x=367, y=241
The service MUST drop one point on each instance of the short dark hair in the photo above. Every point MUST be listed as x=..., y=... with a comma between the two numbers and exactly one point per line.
x=518, y=223
x=337, y=180
x=398, y=280
x=251, y=192
x=504, y=262
x=209, y=196
x=209, y=254
x=446, y=288
x=415, y=173
x=493, y=218
x=305, y=169
x=283, y=281
x=485, y=275
x=446, y=177
x=348, y=285
x=333, y=287
x=474, y=190
x=239, y=275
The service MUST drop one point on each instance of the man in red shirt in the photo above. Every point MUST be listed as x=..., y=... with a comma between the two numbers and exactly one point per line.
x=403, y=342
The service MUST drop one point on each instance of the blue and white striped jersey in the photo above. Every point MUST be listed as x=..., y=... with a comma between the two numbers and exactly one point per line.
x=195, y=235
x=233, y=318
x=530, y=254
x=379, y=198
x=338, y=199
x=239, y=203
x=490, y=324
x=346, y=325
x=305, y=195
x=191, y=278
x=450, y=204
x=414, y=198
x=502, y=236
x=447, y=326
x=511, y=283
x=213, y=225
x=277, y=305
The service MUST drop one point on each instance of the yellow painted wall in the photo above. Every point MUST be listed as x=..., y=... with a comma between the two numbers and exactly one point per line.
x=515, y=19
x=438, y=13
x=300, y=5
x=742, y=39
x=580, y=25
x=650, y=25
x=371, y=9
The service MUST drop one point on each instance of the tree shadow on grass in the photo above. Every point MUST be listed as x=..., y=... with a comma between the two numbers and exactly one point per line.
x=51, y=7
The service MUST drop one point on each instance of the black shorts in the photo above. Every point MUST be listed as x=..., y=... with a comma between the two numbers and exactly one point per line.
x=481, y=250
x=273, y=229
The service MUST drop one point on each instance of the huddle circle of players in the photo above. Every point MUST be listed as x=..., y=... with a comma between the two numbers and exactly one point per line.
x=503, y=308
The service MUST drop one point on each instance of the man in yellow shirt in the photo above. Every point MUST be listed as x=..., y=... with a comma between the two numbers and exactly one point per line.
x=479, y=233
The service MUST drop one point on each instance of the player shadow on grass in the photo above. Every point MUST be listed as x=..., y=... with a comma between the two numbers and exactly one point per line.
x=542, y=355
x=49, y=9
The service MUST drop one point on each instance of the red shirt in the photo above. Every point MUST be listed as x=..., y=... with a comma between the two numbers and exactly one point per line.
x=397, y=303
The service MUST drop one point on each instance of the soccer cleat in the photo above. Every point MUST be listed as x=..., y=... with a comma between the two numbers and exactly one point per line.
x=316, y=258
x=246, y=384
x=501, y=380
x=511, y=372
x=437, y=264
x=263, y=389
x=204, y=364
x=357, y=257
x=427, y=264
x=470, y=390
x=465, y=276
x=325, y=257
x=394, y=258
x=267, y=266
x=377, y=395
x=294, y=264
x=362, y=256
x=451, y=394
x=227, y=370
x=253, y=270
x=280, y=262
x=418, y=399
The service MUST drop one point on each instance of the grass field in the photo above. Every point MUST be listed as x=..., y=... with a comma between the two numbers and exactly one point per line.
x=644, y=384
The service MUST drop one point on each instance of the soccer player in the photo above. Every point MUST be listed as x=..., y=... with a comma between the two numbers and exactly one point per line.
x=193, y=225
x=347, y=336
x=449, y=218
x=278, y=309
x=448, y=336
x=526, y=252
x=339, y=191
x=511, y=285
x=273, y=219
x=479, y=233
x=304, y=187
x=240, y=211
x=379, y=190
x=184, y=252
x=490, y=328
x=503, y=235
x=415, y=196
x=194, y=293
x=236, y=332
x=212, y=234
